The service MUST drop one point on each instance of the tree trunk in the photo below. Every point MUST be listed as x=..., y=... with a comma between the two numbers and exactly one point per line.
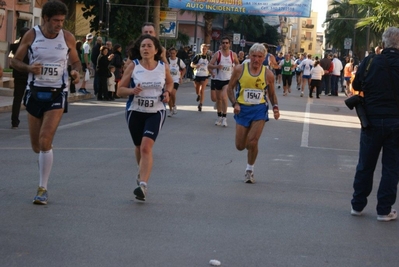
x=209, y=16
x=157, y=12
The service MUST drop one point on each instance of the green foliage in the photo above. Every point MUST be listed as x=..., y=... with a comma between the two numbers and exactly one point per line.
x=253, y=28
x=342, y=22
x=381, y=13
x=125, y=18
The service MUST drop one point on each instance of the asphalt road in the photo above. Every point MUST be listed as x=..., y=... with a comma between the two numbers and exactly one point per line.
x=197, y=208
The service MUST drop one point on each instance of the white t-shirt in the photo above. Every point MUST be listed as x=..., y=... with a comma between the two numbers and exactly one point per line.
x=175, y=68
x=306, y=66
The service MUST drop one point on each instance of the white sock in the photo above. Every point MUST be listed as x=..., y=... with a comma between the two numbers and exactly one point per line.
x=45, y=164
x=143, y=184
x=250, y=168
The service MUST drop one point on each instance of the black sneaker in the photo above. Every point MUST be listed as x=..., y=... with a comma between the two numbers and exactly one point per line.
x=198, y=98
x=200, y=107
x=140, y=192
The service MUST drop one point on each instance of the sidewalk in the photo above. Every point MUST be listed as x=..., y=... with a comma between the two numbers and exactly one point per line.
x=6, y=96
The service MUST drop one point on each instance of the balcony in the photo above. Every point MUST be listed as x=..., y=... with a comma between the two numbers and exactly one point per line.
x=304, y=38
x=307, y=26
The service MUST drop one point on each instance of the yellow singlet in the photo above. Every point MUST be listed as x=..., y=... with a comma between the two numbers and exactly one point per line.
x=251, y=88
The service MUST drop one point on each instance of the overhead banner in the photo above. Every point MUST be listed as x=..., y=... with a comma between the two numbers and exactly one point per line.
x=287, y=8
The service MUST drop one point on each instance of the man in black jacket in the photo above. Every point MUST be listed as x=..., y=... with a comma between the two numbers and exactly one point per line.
x=20, y=80
x=95, y=52
x=377, y=78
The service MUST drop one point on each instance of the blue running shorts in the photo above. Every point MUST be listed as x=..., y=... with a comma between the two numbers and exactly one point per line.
x=248, y=114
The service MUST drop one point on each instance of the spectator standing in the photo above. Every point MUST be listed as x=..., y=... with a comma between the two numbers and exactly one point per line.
x=117, y=62
x=20, y=81
x=72, y=86
x=336, y=73
x=103, y=73
x=86, y=61
x=347, y=75
x=111, y=82
x=377, y=78
x=95, y=52
x=241, y=56
x=325, y=63
x=316, y=75
x=108, y=44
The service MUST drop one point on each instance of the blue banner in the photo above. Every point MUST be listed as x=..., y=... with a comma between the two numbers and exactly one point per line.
x=287, y=8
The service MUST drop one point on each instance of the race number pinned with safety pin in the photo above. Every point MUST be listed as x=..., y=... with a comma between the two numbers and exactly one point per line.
x=253, y=96
x=51, y=72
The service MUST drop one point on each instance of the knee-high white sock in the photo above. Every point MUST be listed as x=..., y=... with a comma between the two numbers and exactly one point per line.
x=45, y=165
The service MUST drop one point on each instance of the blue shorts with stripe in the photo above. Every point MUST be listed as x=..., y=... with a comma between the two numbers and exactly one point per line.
x=248, y=114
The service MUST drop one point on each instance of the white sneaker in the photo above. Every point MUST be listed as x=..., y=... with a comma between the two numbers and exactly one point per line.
x=249, y=177
x=174, y=109
x=218, y=122
x=301, y=94
x=390, y=217
x=170, y=113
x=224, y=122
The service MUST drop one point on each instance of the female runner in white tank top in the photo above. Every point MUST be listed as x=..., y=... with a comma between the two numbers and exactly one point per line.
x=148, y=83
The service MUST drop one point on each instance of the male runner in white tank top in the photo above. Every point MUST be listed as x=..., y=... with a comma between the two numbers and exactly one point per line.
x=50, y=49
x=223, y=61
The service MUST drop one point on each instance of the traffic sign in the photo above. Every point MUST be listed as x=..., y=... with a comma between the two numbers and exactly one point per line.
x=242, y=42
x=236, y=38
x=347, y=43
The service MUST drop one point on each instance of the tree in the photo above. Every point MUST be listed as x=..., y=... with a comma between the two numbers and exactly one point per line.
x=125, y=18
x=342, y=19
x=381, y=14
x=253, y=28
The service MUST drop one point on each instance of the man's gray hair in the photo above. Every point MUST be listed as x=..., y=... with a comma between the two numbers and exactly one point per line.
x=257, y=47
x=390, y=38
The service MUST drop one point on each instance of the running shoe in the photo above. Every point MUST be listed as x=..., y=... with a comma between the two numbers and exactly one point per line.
x=198, y=98
x=140, y=192
x=249, y=177
x=82, y=91
x=199, y=107
x=41, y=196
x=218, y=122
x=390, y=217
x=224, y=122
x=355, y=212
x=174, y=110
x=301, y=94
x=170, y=113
